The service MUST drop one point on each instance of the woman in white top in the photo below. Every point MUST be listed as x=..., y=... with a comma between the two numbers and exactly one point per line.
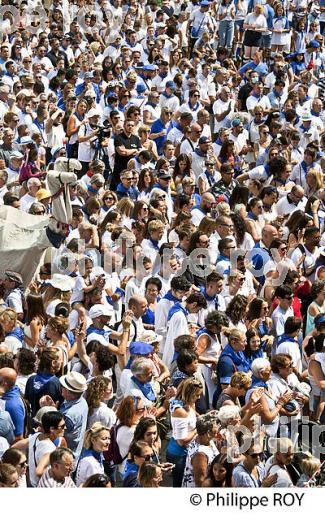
x=96, y=441
x=254, y=24
x=183, y=420
x=129, y=413
x=99, y=391
x=226, y=17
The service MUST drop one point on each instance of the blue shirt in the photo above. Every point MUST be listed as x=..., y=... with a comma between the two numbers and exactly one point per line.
x=75, y=415
x=157, y=127
x=15, y=407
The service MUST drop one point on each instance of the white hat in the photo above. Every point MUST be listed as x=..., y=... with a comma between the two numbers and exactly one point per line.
x=149, y=336
x=100, y=310
x=74, y=381
x=42, y=411
x=61, y=281
x=92, y=113
x=103, y=339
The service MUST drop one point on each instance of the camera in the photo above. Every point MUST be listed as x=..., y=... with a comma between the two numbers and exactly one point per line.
x=104, y=131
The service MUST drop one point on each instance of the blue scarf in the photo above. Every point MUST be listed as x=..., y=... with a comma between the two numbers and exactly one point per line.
x=169, y=296
x=178, y=307
x=199, y=153
x=166, y=95
x=154, y=243
x=207, y=297
x=251, y=215
x=199, y=208
x=92, y=453
x=16, y=333
x=284, y=338
x=146, y=389
x=218, y=141
x=238, y=358
x=258, y=383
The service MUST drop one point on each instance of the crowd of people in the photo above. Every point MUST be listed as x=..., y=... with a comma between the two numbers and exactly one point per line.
x=176, y=336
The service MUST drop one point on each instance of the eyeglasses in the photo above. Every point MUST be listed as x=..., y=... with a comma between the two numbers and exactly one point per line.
x=255, y=455
x=22, y=464
x=146, y=457
x=61, y=427
x=288, y=366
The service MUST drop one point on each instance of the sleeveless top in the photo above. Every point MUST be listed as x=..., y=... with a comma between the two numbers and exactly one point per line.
x=310, y=324
x=210, y=451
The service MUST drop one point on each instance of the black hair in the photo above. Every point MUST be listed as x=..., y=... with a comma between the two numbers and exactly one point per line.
x=283, y=291
x=51, y=420
x=292, y=324
x=180, y=283
x=185, y=358
x=154, y=281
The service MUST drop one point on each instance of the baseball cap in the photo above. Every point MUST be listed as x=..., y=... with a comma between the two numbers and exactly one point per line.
x=140, y=88
x=111, y=94
x=93, y=112
x=162, y=174
x=88, y=75
x=139, y=348
x=15, y=154
x=150, y=67
x=204, y=139
x=313, y=44
x=171, y=84
x=204, y=3
x=100, y=310
x=235, y=122
x=43, y=194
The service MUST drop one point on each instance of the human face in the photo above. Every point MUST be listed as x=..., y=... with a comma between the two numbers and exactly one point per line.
x=21, y=467
x=254, y=455
x=101, y=442
x=150, y=435
x=285, y=458
x=146, y=456
x=214, y=288
x=255, y=343
x=286, y=302
x=219, y=472
x=12, y=481
x=240, y=343
x=285, y=371
x=63, y=469
x=157, y=478
x=203, y=241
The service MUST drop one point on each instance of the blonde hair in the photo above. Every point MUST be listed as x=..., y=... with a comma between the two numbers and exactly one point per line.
x=8, y=314
x=310, y=466
x=187, y=388
x=52, y=293
x=125, y=206
x=93, y=433
x=318, y=176
x=240, y=380
x=59, y=324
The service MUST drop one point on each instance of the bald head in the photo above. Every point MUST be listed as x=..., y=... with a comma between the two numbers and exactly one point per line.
x=269, y=233
x=207, y=200
x=8, y=377
x=138, y=304
x=298, y=191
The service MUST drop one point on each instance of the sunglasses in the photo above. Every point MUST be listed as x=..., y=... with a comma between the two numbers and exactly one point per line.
x=22, y=464
x=255, y=455
x=108, y=198
x=147, y=458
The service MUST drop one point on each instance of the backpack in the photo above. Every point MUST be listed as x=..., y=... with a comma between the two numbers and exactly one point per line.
x=113, y=454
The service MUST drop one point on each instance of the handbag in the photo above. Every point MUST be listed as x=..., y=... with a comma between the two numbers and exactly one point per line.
x=195, y=32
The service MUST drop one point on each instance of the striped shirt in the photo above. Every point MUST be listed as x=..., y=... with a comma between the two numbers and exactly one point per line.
x=47, y=481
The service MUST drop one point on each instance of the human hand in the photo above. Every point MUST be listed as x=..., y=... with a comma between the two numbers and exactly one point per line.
x=270, y=480
x=47, y=400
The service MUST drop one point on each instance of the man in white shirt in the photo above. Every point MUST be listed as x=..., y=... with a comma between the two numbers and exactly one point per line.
x=223, y=108
x=288, y=343
x=189, y=144
x=283, y=311
x=201, y=211
x=306, y=255
x=289, y=203
x=177, y=323
x=33, y=185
